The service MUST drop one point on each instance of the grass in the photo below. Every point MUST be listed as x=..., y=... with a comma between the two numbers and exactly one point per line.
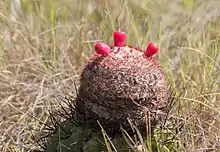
x=43, y=47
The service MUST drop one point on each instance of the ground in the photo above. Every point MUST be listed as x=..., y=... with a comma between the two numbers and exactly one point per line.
x=44, y=45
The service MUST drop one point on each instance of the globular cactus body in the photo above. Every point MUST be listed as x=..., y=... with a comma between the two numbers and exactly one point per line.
x=123, y=83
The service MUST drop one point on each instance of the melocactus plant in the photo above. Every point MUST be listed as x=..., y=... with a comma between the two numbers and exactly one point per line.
x=121, y=82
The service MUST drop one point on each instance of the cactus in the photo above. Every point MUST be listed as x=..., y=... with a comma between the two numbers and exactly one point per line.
x=121, y=82
x=118, y=83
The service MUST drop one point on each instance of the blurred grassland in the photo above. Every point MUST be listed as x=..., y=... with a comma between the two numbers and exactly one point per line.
x=44, y=45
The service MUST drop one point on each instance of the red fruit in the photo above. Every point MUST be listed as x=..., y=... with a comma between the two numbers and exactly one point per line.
x=119, y=38
x=152, y=49
x=102, y=48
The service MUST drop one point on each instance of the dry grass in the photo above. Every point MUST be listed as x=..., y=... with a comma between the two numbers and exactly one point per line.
x=42, y=49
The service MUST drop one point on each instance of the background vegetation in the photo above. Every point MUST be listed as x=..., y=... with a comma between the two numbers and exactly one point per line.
x=44, y=45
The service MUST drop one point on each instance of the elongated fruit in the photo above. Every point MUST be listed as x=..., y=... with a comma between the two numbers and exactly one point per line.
x=102, y=48
x=152, y=49
x=119, y=38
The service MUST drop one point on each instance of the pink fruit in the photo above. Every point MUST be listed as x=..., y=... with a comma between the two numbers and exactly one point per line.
x=119, y=38
x=102, y=48
x=152, y=49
